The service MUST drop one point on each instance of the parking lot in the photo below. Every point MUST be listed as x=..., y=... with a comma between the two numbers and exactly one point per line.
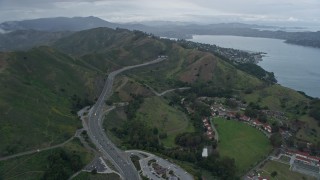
x=156, y=168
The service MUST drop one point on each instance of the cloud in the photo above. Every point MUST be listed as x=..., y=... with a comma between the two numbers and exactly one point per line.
x=2, y=31
x=206, y=11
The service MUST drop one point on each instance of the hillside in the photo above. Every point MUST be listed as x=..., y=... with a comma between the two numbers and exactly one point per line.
x=40, y=91
x=109, y=49
x=45, y=86
x=26, y=39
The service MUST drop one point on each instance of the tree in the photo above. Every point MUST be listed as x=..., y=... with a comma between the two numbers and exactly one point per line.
x=274, y=174
x=109, y=102
x=275, y=127
x=163, y=135
x=155, y=131
x=231, y=103
x=262, y=117
x=276, y=140
x=238, y=115
x=94, y=171
x=251, y=112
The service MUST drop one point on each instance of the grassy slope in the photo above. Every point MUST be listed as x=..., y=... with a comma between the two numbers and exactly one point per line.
x=279, y=98
x=283, y=172
x=34, y=166
x=35, y=98
x=109, y=49
x=242, y=142
x=272, y=96
x=115, y=118
x=194, y=66
x=157, y=113
x=124, y=86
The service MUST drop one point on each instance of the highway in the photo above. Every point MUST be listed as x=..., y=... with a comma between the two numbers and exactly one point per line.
x=96, y=133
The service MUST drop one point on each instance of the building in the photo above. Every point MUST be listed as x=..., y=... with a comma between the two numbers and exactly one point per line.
x=267, y=128
x=305, y=158
x=257, y=123
x=205, y=152
x=245, y=118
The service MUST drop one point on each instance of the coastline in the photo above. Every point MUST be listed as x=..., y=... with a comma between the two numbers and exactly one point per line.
x=284, y=59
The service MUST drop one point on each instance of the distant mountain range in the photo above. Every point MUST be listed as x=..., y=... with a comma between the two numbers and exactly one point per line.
x=83, y=23
x=168, y=29
x=57, y=24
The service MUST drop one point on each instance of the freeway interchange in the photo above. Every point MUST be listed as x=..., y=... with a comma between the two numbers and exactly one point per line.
x=96, y=133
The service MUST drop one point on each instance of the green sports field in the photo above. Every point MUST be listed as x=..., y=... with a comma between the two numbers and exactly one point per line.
x=242, y=142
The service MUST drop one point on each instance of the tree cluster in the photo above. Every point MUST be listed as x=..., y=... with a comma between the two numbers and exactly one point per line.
x=224, y=168
x=61, y=165
x=315, y=110
x=133, y=106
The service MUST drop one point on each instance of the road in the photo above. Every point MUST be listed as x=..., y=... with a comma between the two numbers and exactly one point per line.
x=41, y=149
x=96, y=133
x=216, y=134
x=167, y=91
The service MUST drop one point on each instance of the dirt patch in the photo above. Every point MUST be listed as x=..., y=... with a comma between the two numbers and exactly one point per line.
x=201, y=69
x=132, y=87
x=124, y=81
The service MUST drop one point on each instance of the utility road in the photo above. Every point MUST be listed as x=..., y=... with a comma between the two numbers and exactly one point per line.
x=95, y=131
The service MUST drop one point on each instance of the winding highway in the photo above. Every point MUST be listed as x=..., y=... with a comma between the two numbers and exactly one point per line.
x=96, y=133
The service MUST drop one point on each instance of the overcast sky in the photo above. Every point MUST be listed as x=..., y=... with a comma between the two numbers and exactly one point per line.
x=291, y=12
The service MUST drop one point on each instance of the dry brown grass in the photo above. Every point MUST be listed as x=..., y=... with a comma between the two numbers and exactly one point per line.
x=201, y=69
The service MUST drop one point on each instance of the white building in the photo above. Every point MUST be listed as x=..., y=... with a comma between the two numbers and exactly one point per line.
x=205, y=152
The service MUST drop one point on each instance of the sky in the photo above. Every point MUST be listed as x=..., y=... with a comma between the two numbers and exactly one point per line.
x=269, y=12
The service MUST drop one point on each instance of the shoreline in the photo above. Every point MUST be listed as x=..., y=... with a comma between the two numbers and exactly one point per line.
x=279, y=57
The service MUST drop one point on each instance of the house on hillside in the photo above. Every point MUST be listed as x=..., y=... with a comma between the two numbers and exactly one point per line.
x=267, y=128
x=209, y=132
x=257, y=123
x=245, y=118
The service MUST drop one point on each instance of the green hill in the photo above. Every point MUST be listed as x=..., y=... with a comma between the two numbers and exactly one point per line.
x=108, y=49
x=39, y=90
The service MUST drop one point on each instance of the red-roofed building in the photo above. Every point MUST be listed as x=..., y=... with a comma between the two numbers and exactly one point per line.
x=245, y=118
x=267, y=128
x=210, y=136
x=305, y=157
x=305, y=160
x=231, y=115
x=263, y=178
x=257, y=123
